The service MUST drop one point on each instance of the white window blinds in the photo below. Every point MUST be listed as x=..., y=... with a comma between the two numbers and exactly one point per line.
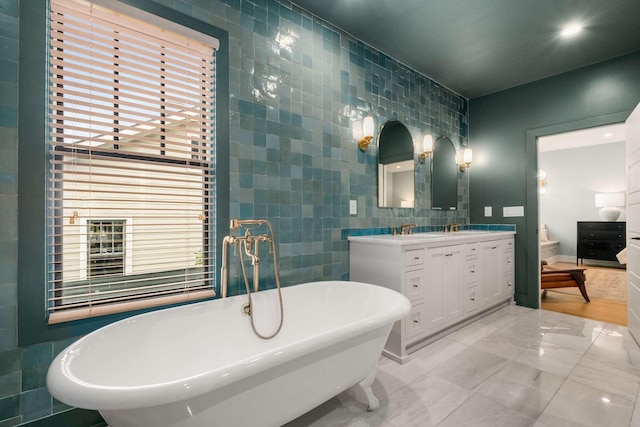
x=131, y=193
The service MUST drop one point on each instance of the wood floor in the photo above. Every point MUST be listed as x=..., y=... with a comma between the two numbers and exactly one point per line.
x=598, y=309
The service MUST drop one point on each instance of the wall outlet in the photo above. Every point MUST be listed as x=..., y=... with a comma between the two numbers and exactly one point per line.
x=353, y=207
x=488, y=211
x=512, y=211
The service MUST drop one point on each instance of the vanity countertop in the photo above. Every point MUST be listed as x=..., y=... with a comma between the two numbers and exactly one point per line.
x=433, y=237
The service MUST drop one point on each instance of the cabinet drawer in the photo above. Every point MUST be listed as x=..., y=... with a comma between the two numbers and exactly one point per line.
x=414, y=284
x=602, y=225
x=471, y=299
x=508, y=282
x=604, y=255
x=472, y=271
x=601, y=235
x=508, y=261
x=414, y=258
x=508, y=246
x=471, y=251
x=414, y=324
x=594, y=245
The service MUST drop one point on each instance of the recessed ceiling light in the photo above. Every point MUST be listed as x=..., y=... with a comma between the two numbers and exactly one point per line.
x=608, y=135
x=571, y=30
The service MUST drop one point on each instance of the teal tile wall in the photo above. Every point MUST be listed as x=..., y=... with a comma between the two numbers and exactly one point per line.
x=299, y=87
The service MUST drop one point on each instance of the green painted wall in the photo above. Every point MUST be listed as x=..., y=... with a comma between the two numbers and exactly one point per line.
x=503, y=131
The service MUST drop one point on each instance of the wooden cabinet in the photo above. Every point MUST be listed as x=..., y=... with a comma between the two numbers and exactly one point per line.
x=601, y=240
x=450, y=280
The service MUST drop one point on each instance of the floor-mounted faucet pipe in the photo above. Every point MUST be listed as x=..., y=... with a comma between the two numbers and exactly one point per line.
x=224, y=274
x=250, y=248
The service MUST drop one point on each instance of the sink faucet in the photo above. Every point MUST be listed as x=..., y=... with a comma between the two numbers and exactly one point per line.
x=452, y=227
x=407, y=228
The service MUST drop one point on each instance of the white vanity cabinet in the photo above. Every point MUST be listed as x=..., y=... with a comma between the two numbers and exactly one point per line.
x=443, y=303
x=450, y=279
x=491, y=253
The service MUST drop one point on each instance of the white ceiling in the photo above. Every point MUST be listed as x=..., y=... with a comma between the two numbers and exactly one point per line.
x=583, y=138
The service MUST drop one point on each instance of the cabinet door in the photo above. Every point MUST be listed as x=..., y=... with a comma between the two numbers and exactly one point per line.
x=492, y=275
x=443, y=297
x=508, y=263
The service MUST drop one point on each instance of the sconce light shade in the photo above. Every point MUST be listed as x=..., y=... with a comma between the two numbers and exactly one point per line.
x=425, y=149
x=464, y=158
x=367, y=132
x=542, y=182
x=609, y=202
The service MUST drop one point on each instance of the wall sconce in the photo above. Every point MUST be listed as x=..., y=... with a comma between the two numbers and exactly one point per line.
x=609, y=203
x=463, y=158
x=542, y=182
x=367, y=131
x=424, y=150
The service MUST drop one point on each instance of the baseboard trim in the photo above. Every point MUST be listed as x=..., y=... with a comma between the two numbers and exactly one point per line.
x=71, y=418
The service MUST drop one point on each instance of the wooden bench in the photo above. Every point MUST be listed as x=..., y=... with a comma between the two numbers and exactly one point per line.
x=552, y=278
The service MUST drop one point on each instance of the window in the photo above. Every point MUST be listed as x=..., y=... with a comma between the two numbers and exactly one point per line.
x=106, y=248
x=132, y=183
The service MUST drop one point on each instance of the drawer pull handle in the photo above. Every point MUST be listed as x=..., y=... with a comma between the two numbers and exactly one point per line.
x=472, y=299
x=473, y=271
x=635, y=238
x=416, y=321
x=415, y=286
x=448, y=254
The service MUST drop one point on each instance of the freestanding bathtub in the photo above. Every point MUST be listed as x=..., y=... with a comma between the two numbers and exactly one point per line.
x=202, y=365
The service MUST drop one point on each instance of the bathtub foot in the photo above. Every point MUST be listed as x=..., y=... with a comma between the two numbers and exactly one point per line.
x=366, y=387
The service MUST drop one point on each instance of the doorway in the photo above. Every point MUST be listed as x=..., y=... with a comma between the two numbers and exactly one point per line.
x=576, y=171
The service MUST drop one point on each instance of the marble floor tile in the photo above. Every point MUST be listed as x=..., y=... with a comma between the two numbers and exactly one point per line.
x=500, y=345
x=470, y=368
x=436, y=353
x=472, y=333
x=616, y=345
x=581, y=322
x=564, y=335
x=517, y=366
x=341, y=410
x=635, y=417
x=551, y=358
x=522, y=388
x=579, y=405
x=606, y=377
x=502, y=317
x=425, y=402
x=479, y=411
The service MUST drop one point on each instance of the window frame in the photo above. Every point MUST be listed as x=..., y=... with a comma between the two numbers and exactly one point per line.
x=32, y=167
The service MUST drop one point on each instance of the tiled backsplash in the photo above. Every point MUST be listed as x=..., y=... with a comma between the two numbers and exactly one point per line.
x=299, y=88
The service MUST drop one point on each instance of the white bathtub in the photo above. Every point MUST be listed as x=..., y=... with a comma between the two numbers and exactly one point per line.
x=202, y=365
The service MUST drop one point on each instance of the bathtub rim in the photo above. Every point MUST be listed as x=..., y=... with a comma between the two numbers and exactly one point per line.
x=74, y=391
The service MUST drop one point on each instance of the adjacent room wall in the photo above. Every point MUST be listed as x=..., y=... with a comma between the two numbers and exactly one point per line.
x=504, y=128
x=573, y=178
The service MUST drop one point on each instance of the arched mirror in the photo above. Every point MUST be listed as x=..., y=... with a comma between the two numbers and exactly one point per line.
x=395, y=166
x=444, y=175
